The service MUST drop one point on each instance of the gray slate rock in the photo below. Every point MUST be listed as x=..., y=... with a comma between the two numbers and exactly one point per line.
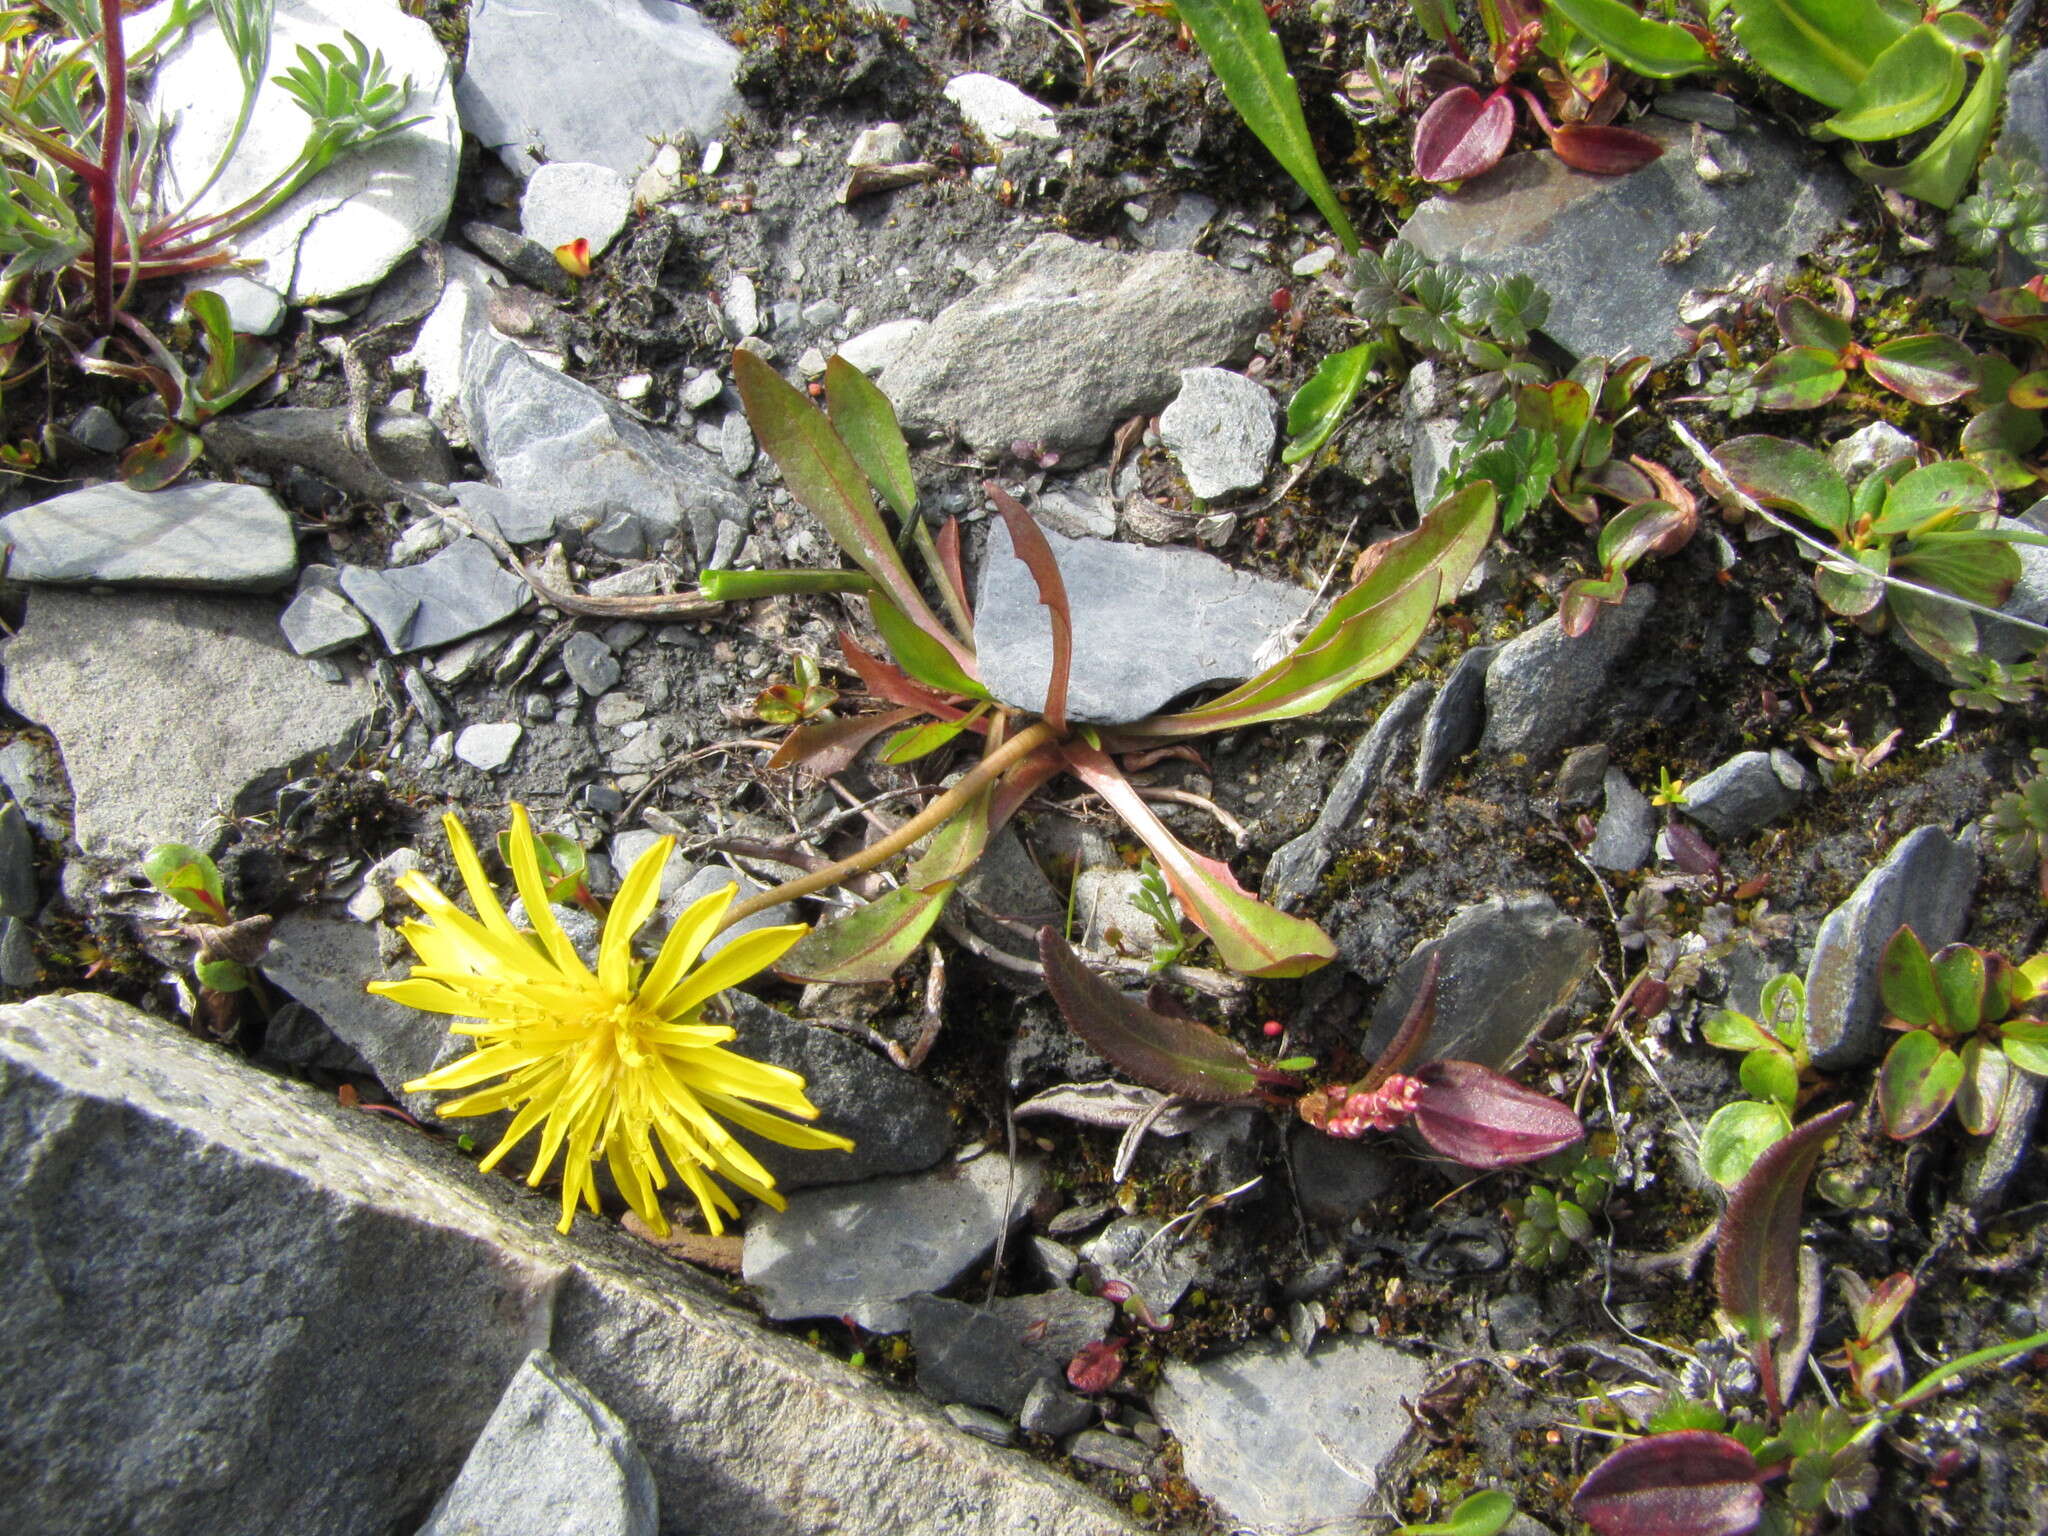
x=1054, y=1411
x=899, y=1123
x=461, y=590
x=2028, y=600
x=407, y=447
x=1000, y=365
x=1099, y=1448
x=1627, y=833
x=320, y=620
x=35, y=780
x=1747, y=793
x=1242, y=1422
x=1149, y=624
x=592, y=79
x=119, y=681
x=2025, y=130
x=1456, y=715
x=202, y=536
x=590, y=663
x=324, y=962
x=489, y=745
x=1544, y=687
x=997, y=110
x=1591, y=240
x=300, y=1391
x=1298, y=864
x=551, y=1461
x=516, y=519
x=574, y=200
x=526, y=260
x=17, y=863
x=1992, y=1162
x=1160, y=1273
x=1509, y=963
x=1220, y=430
x=995, y=1355
x=859, y=1250
x=367, y=211
x=1336, y=1179
x=1925, y=882
x=18, y=964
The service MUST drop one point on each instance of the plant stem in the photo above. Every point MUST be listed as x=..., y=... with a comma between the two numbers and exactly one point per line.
x=1022, y=745
x=106, y=184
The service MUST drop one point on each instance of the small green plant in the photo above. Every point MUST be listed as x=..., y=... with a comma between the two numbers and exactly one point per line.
x=1670, y=791
x=1318, y=408
x=2018, y=825
x=1483, y=322
x=1552, y=1220
x=805, y=697
x=227, y=950
x=1820, y=352
x=1935, y=526
x=1485, y=1513
x=1969, y=1018
x=1871, y=1355
x=2008, y=209
x=1775, y=1067
x=1154, y=898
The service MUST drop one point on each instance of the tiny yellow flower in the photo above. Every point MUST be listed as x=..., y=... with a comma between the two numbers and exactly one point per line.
x=606, y=1064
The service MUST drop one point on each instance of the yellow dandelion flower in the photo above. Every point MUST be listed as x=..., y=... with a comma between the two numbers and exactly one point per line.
x=603, y=1065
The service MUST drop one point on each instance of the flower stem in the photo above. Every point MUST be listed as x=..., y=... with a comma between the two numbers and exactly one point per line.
x=1023, y=744
x=105, y=184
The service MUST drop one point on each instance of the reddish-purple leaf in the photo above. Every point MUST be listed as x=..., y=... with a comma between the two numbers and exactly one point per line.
x=1097, y=1366
x=1463, y=134
x=1691, y=1482
x=828, y=747
x=1756, y=1257
x=1171, y=1055
x=1692, y=853
x=1475, y=1116
x=1031, y=547
x=1603, y=151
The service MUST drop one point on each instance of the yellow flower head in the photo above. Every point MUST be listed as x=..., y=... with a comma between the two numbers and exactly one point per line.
x=603, y=1064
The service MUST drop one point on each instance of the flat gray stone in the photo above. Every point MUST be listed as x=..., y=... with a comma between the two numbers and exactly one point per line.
x=320, y=620
x=2025, y=129
x=367, y=211
x=294, y=1385
x=515, y=519
x=593, y=79
x=997, y=110
x=1251, y=1425
x=1925, y=883
x=2028, y=600
x=590, y=663
x=1747, y=793
x=1220, y=430
x=202, y=536
x=994, y=1355
x=172, y=708
x=1000, y=365
x=1298, y=864
x=409, y=448
x=1337, y=1179
x=1456, y=715
x=325, y=962
x=1054, y=1411
x=1149, y=624
x=569, y=200
x=526, y=260
x=1627, y=833
x=17, y=863
x=19, y=966
x=1544, y=687
x=898, y=1122
x=1591, y=240
x=458, y=592
x=35, y=780
x=1099, y=1448
x=1158, y=1273
x=1992, y=1162
x=1879, y=445
x=490, y=745
x=1509, y=963
x=876, y=347
x=551, y=1461
x=858, y=1250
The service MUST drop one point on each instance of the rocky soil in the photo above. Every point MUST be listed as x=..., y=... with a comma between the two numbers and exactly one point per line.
x=247, y=1282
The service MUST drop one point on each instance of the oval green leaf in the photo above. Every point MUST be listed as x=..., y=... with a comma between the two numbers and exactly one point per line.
x=1905, y=979
x=1913, y=83
x=1928, y=370
x=2026, y=1045
x=1737, y=1136
x=1318, y=407
x=1771, y=1076
x=1800, y=379
x=1733, y=1031
x=1653, y=48
x=1959, y=981
x=1804, y=323
x=1934, y=493
x=1915, y=1085
x=1980, y=1096
x=1789, y=476
x=1821, y=48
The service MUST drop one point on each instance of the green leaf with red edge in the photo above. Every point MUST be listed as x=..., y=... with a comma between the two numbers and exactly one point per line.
x=188, y=877
x=1980, y=1095
x=746, y=586
x=1478, y=1117
x=1177, y=1056
x=1250, y=937
x=2020, y=310
x=823, y=748
x=159, y=459
x=1916, y=1084
x=1029, y=544
x=866, y=422
x=2029, y=391
x=870, y=943
x=1804, y=323
x=820, y=472
x=1905, y=979
x=1366, y=633
x=1636, y=530
x=1959, y=978
x=1690, y=1482
x=1578, y=609
x=1980, y=570
x=959, y=842
x=1934, y=492
x=907, y=746
x=2026, y=1044
x=1756, y=1256
x=1799, y=379
x=1788, y=476
x=1928, y=370
x=919, y=652
x=1854, y=593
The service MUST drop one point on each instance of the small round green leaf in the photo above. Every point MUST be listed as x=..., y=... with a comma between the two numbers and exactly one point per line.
x=1959, y=979
x=1905, y=978
x=1928, y=370
x=1980, y=1096
x=1916, y=1084
x=1770, y=1075
x=1800, y=379
x=1737, y=1136
x=1790, y=476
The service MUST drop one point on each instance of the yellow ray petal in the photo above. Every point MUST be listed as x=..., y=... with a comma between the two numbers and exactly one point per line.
x=743, y=957
x=685, y=942
x=533, y=890
x=638, y=894
x=481, y=896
